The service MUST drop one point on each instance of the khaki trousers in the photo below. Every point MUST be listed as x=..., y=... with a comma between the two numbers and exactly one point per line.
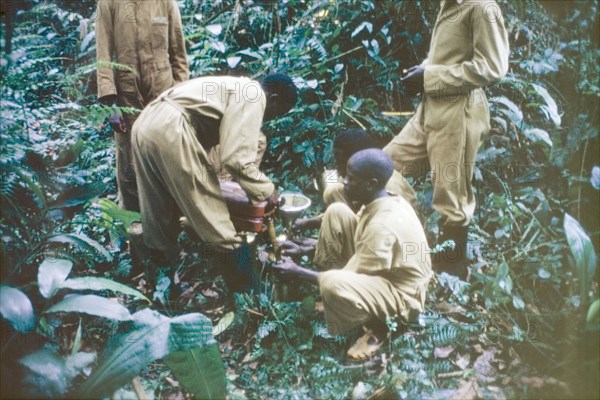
x=350, y=299
x=335, y=244
x=448, y=132
x=176, y=178
x=126, y=176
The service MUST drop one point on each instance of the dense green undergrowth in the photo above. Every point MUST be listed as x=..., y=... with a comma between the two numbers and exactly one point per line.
x=526, y=325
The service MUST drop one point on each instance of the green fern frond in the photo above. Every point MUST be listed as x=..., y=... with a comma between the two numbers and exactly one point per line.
x=319, y=47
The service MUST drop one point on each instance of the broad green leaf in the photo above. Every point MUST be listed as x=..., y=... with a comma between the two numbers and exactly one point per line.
x=86, y=41
x=70, y=154
x=113, y=211
x=82, y=241
x=48, y=375
x=544, y=274
x=78, y=195
x=16, y=308
x=510, y=109
x=537, y=135
x=200, y=371
x=92, y=305
x=583, y=252
x=98, y=284
x=51, y=274
x=593, y=313
x=77, y=340
x=224, y=323
x=518, y=303
x=152, y=336
x=215, y=29
x=367, y=25
x=550, y=109
x=595, y=179
x=232, y=62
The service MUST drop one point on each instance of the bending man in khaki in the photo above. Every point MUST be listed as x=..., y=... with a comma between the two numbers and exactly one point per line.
x=389, y=269
x=147, y=38
x=469, y=50
x=171, y=141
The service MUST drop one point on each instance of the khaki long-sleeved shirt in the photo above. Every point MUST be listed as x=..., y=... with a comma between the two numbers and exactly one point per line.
x=146, y=37
x=469, y=48
x=227, y=111
x=214, y=154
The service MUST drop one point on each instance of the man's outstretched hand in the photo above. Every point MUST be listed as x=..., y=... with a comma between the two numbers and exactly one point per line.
x=414, y=79
x=297, y=248
x=286, y=268
x=274, y=200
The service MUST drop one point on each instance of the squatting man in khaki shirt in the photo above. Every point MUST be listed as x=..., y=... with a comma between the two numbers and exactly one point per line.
x=389, y=271
x=468, y=51
x=171, y=141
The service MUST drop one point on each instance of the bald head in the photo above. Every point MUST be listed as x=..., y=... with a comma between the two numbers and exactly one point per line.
x=372, y=164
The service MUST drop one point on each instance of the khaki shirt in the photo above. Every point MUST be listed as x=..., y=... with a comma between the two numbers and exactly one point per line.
x=390, y=242
x=469, y=48
x=213, y=157
x=228, y=112
x=146, y=37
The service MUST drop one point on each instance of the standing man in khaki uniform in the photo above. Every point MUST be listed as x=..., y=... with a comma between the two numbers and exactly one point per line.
x=171, y=141
x=146, y=37
x=468, y=51
x=388, y=272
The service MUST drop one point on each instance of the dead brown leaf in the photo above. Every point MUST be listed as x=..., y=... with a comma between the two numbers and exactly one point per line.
x=447, y=308
x=226, y=347
x=319, y=306
x=537, y=382
x=514, y=357
x=469, y=390
x=443, y=352
x=176, y=396
x=463, y=361
x=210, y=293
x=189, y=292
x=246, y=358
x=172, y=381
x=486, y=372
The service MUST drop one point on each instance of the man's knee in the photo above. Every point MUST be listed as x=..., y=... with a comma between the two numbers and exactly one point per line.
x=328, y=283
x=333, y=284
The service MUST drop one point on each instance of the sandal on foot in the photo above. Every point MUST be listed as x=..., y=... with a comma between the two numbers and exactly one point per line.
x=365, y=347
